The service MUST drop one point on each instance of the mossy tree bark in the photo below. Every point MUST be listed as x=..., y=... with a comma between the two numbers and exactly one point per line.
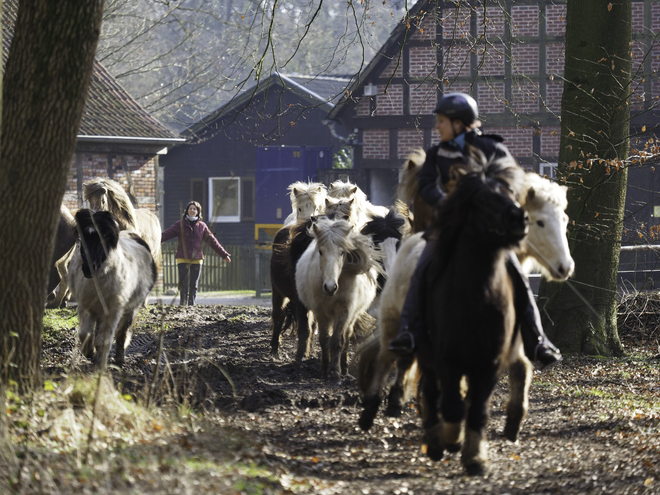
x=593, y=151
x=46, y=80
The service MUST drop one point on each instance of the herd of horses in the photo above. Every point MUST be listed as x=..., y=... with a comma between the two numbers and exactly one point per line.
x=341, y=268
x=341, y=260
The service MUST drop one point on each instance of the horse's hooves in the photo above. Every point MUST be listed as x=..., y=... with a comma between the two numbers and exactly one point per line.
x=511, y=432
x=453, y=447
x=393, y=411
x=366, y=420
x=476, y=469
x=435, y=453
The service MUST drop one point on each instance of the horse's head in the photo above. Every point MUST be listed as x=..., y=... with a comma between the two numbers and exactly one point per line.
x=340, y=208
x=307, y=199
x=99, y=234
x=340, y=248
x=546, y=242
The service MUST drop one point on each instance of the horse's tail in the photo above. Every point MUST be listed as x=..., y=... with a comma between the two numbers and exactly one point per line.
x=411, y=382
x=364, y=327
x=367, y=359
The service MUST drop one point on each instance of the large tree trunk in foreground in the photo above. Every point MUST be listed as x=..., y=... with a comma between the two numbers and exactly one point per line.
x=594, y=144
x=45, y=85
x=6, y=449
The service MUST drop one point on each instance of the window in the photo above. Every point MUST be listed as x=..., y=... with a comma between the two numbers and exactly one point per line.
x=548, y=170
x=225, y=199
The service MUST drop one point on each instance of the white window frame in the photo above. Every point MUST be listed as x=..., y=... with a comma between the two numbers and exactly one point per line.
x=224, y=218
x=549, y=169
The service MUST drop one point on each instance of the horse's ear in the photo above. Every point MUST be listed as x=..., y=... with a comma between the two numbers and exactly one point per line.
x=531, y=194
x=327, y=202
x=314, y=218
x=353, y=189
x=350, y=202
x=296, y=191
x=104, y=190
x=316, y=229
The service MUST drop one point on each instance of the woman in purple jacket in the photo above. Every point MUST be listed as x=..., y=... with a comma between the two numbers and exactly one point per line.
x=191, y=231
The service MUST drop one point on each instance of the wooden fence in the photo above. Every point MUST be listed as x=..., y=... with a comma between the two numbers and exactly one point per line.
x=249, y=269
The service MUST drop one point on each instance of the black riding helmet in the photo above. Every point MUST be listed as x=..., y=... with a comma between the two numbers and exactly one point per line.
x=458, y=106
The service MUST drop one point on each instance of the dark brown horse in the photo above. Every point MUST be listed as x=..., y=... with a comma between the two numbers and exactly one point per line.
x=468, y=307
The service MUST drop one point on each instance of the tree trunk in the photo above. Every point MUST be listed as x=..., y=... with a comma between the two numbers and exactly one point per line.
x=594, y=146
x=45, y=85
x=6, y=449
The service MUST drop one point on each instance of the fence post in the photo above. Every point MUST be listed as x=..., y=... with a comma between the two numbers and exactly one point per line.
x=257, y=272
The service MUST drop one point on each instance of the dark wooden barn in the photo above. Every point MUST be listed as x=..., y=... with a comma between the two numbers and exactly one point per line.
x=219, y=166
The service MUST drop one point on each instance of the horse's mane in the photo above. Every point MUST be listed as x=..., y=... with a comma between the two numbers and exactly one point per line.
x=381, y=228
x=301, y=190
x=451, y=218
x=108, y=195
x=409, y=171
x=541, y=190
x=361, y=254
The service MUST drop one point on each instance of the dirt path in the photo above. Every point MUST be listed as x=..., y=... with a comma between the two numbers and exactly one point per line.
x=593, y=425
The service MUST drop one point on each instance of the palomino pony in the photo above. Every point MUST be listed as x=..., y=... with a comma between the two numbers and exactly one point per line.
x=363, y=209
x=108, y=195
x=65, y=240
x=336, y=279
x=307, y=199
x=110, y=276
x=545, y=246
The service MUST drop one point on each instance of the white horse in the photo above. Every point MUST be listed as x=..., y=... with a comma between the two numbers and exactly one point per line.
x=307, y=199
x=336, y=278
x=364, y=210
x=546, y=247
x=110, y=276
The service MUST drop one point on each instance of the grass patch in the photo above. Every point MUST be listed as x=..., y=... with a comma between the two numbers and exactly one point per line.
x=57, y=321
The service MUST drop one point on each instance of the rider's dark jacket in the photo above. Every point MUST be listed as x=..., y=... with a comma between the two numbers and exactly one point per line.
x=435, y=172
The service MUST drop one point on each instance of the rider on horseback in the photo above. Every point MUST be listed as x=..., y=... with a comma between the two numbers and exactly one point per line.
x=457, y=125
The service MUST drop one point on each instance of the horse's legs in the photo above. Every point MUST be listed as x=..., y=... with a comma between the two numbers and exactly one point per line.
x=338, y=343
x=324, y=342
x=278, y=316
x=452, y=407
x=395, y=398
x=123, y=336
x=475, y=449
x=520, y=378
x=105, y=334
x=86, y=326
x=430, y=420
x=304, y=338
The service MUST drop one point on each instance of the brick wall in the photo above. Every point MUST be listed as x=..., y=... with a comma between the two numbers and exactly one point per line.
x=550, y=136
x=456, y=22
x=456, y=61
x=638, y=17
x=525, y=59
x=519, y=141
x=553, y=91
x=555, y=20
x=525, y=20
x=554, y=58
x=390, y=103
x=141, y=169
x=525, y=96
x=490, y=59
x=490, y=97
x=376, y=143
x=409, y=140
x=424, y=30
x=392, y=68
x=493, y=21
x=423, y=61
x=423, y=98
x=362, y=108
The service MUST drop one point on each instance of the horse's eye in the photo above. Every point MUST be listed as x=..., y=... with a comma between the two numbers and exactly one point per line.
x=540, y=223
x=299, y=210
x=320, y=253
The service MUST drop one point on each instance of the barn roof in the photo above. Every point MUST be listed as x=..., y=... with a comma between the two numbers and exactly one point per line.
x=317, y=91
x=111, y=114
